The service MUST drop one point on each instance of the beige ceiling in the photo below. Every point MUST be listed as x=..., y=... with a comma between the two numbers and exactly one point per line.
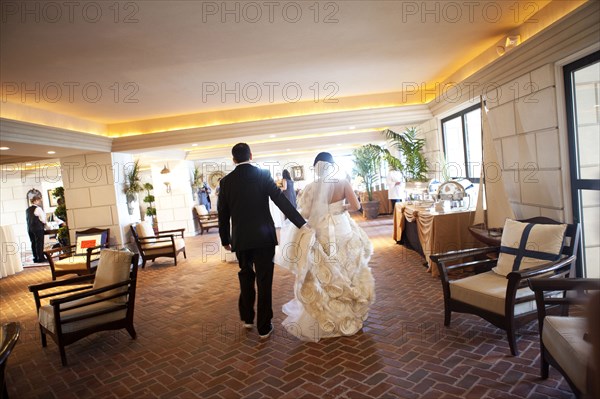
x=156, y=59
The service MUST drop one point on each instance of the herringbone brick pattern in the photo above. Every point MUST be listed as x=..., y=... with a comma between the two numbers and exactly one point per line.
x=190, y=343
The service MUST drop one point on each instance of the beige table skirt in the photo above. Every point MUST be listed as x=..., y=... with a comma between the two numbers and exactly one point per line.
x=438, y=232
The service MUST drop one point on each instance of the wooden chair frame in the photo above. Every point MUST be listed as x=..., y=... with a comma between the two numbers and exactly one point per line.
x=60, y=253
x=10, y=336
x=478, y=261
x=63, y=339
x=543, y=288
x=206, y=222
x=166, y=236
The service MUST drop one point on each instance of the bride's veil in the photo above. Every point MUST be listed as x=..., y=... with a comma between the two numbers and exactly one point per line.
x=314, y=204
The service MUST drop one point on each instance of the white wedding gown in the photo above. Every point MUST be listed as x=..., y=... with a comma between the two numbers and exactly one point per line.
x=334, y=285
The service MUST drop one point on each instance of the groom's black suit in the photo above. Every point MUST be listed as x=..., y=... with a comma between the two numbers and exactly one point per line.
x=244, y=198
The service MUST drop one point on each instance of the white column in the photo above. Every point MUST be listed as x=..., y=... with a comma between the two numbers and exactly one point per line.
x=94, y=194
x=174, y=203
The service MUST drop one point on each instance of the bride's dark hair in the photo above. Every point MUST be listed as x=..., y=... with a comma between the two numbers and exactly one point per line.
x=325, y=157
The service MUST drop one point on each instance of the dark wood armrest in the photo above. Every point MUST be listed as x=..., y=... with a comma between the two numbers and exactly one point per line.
x=463, y=253
x=563, y=284
x=481, y=265
x=180, y=231
x=90, y=293
x=541, y=269
x=59, y=283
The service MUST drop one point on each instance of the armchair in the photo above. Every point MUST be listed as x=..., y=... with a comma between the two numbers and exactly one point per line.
x=167, y=243
x=205, y=219
x=105, y=302
x=81, y=258
x=471, y=286
x=9, y=335
x=567, y=343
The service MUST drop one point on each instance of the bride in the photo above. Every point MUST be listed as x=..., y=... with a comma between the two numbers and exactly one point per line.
x=334, y=286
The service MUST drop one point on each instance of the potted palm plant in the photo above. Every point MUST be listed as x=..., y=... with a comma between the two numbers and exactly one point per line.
x=133, y=185
x=367, y=161
x=414, y=164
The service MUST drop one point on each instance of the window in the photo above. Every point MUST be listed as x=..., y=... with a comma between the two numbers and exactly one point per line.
x=582, y=92
x=461, y=134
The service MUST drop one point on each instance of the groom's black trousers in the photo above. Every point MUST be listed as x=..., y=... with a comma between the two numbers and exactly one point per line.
x=256, y=265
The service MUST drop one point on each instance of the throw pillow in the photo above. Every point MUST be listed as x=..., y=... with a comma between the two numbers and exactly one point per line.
x=87, y=241
x=526, y=245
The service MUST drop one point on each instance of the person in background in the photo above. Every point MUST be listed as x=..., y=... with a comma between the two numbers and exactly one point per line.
x=287, y=186
x=36, y=224
x=204, y=195
x=396, y=187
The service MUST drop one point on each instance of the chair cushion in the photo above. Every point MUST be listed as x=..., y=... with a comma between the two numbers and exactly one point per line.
x=488, y=291
x=113, y=268
x=201, y=210
x=163, y=247
x=144, y=229
x=526, y=245
x=85, y=241
x=74, y=262
x=46, y=315
x=563, y=338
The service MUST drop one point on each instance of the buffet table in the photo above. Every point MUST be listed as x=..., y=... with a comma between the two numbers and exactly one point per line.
x=437, y=232
x=10, y=260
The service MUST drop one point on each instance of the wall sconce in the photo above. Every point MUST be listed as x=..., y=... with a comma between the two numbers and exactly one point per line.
x=165, y=170
x=510, y=43
x=168, y=186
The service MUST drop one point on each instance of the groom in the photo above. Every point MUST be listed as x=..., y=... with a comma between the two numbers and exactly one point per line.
x=244, y=197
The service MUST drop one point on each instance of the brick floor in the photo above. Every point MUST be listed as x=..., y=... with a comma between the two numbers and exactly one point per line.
x=190, y=343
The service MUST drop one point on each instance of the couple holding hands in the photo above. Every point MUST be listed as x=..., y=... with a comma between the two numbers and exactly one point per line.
x=320, y=243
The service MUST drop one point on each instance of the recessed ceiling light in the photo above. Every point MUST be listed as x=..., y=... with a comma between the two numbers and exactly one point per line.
x=272, y=136
x=28, y=164
x=4, y=148
x=352, y=127
x=51, y=152
x=287, y=149
x=194, y=145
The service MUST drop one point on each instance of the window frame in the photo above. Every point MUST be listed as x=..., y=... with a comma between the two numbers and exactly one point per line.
x=462, y=114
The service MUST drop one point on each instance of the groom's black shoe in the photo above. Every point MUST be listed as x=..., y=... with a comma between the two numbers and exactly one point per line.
x=267, y=335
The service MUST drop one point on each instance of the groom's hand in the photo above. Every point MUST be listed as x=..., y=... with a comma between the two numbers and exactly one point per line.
x=227, y=247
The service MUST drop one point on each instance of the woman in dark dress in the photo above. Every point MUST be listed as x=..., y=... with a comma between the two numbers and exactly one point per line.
x=288, y=187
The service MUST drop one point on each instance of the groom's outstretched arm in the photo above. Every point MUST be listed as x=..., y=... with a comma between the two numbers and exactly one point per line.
x=282, y=202
x=224, y=217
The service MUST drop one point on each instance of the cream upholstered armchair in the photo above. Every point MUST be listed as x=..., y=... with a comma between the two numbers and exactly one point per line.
x=104, y=301
x=206, y=220
x=81, y=258
x=567, y=342
x=167, y=243
x=492, y=282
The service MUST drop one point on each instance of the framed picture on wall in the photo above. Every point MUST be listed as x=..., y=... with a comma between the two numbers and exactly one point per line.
x=52, y=200
x=297, y=173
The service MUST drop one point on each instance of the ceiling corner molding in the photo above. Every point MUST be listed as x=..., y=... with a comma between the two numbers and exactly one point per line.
x=319, y=123
x=31, y=133
x=576, y=31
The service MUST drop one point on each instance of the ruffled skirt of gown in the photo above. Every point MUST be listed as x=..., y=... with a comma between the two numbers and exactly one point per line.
x=334, y=285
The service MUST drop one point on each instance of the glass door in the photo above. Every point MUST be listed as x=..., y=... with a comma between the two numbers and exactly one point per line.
x=582, y=89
